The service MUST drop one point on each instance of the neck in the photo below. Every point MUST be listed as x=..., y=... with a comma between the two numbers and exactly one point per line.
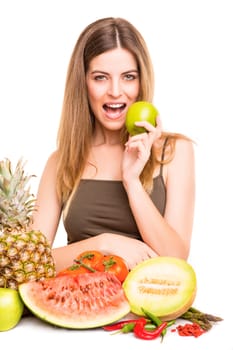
x=107, y=137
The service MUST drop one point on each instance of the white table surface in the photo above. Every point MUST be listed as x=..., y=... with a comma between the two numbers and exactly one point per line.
x=32, y=333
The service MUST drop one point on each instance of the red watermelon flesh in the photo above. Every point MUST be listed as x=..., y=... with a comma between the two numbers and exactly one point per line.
x=84, y=301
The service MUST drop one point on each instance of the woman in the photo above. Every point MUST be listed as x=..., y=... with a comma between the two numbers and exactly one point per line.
x=128, y=196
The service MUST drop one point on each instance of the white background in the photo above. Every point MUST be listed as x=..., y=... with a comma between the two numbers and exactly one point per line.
x=191, y=47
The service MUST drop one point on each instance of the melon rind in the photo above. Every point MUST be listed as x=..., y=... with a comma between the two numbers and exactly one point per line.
x=165, y=286
x=67, y=302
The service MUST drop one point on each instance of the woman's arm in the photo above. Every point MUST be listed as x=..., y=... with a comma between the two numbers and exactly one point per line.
x=48, y=208
x=171, y=234
x=131, y=250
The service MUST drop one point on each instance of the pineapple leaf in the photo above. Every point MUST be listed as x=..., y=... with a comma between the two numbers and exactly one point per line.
x=16, y=200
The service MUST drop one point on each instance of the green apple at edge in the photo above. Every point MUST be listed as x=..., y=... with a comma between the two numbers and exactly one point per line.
x=11, y=308
x=137, y=112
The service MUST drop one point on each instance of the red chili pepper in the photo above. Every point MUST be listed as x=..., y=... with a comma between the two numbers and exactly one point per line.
x=119, y=325
x=142, y=333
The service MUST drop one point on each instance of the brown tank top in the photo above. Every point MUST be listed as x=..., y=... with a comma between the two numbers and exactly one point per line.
x=100, y=206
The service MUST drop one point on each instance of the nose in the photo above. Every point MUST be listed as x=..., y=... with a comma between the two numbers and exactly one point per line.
x=115, y=88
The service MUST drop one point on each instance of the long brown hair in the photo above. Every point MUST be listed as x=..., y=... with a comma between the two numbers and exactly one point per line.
x=77, y=122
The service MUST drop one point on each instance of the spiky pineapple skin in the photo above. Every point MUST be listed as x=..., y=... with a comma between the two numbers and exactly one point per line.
x=24, y=256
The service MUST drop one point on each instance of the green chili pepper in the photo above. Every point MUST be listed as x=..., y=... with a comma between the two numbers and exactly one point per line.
x=150, y=326
x=170, y=323
x=127, y=328
x=156, y=320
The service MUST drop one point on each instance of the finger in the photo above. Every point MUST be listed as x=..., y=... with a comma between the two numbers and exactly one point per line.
x=152, y=253
x=133, y=143
x=158, y=122
x=146, y=125
x=139, y=136
x=139, y=146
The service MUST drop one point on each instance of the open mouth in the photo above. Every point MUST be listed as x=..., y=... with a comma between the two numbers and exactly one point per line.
x=114, y=108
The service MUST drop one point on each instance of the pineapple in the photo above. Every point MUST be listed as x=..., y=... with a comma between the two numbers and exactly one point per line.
x=24, y=254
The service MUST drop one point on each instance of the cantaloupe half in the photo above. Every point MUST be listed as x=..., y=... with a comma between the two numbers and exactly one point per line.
x=164, y=286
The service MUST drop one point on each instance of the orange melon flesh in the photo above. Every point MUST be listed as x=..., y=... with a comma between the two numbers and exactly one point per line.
x=165, y=286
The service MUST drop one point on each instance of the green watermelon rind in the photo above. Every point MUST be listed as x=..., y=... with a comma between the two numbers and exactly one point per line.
x=181, y=287
x=104, y=310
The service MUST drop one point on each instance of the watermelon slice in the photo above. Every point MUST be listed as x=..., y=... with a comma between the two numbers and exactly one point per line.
x=164, y=286
x=83, y=301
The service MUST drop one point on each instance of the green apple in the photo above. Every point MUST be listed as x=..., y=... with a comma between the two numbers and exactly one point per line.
x=11, y=308
x=137, y=112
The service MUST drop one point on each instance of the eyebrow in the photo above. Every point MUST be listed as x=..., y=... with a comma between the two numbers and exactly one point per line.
x=102, y=72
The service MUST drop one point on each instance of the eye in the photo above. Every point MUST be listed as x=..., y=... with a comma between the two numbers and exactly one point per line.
x=130, y=76
x=100, y=77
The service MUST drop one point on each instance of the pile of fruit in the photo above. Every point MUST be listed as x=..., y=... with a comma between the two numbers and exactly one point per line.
x=93, y=261
x=25, y=255
x=96, y=290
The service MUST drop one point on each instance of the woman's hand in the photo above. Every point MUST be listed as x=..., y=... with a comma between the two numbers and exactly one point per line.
x=131, y=250
x=138, y=149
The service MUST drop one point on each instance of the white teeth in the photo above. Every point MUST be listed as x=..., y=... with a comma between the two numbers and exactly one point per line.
x=117, y=105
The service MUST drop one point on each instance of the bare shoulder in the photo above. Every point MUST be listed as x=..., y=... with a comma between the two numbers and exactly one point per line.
x=52, y=159
x=175, y=146
x=51, y=164
x=183, y=155
x=184, y=145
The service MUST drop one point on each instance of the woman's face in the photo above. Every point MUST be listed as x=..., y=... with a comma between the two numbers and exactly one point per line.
x=112, y=85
